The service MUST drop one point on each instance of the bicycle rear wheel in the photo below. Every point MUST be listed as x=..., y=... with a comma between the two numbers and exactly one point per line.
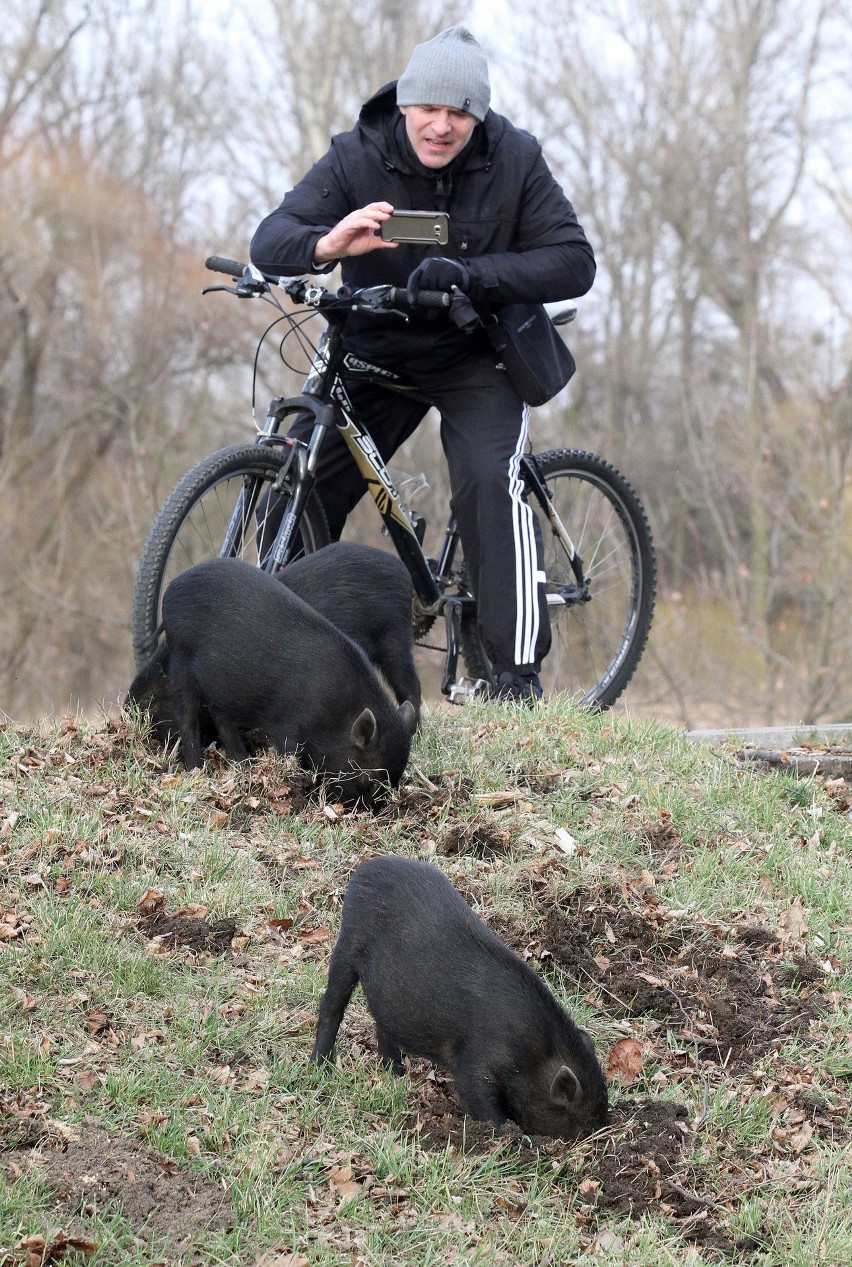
x=598, y=641
x=221, y=506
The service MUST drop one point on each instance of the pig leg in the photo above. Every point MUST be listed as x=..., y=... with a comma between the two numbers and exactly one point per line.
x=187, y=702
x=390, y=1052
x=342, y=980
x=230, y=737
x=479, y=1097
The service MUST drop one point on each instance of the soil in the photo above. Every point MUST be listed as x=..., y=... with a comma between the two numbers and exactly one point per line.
x=213, y=936
x=162, y=1199
x=734, y=994
x=480, y=838
x=638, y=1165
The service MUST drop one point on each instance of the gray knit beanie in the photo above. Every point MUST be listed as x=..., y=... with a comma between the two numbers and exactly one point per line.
x=449, y=70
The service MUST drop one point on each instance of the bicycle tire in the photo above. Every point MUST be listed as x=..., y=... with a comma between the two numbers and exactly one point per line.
x=597, y=644
x=192, y=525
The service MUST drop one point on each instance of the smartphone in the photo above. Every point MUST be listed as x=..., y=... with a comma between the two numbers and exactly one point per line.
x=417, y=226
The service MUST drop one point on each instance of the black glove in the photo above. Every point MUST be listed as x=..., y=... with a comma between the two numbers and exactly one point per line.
x=437, y=273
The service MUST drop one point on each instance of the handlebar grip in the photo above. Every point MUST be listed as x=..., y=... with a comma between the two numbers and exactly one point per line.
x=217, y=264
x=426, y=298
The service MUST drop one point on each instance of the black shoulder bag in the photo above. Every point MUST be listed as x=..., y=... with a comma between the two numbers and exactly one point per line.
x=531, y=350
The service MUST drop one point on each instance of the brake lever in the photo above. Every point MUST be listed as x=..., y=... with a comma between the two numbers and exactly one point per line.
x=371, y=299
x=243, y=289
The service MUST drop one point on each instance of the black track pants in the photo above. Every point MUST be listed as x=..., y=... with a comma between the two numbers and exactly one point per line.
x=483, y=431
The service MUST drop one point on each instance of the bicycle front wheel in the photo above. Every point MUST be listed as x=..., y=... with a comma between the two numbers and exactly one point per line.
x=225, y=504
x=599, y=631
x=597, y=643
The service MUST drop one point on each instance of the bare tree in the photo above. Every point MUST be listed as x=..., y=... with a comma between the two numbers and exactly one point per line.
x=312, y=64
x=691, y=134
x=106, y=359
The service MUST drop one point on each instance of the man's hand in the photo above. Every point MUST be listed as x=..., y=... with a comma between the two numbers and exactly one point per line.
x=437, y=273
x=355, y=234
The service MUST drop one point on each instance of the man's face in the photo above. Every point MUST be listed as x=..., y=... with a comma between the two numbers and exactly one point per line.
x=437, y=133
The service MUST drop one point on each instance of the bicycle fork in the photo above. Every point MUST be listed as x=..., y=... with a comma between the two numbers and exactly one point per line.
x=567, y=595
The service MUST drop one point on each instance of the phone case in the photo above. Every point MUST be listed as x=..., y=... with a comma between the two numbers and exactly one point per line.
x=417, y=226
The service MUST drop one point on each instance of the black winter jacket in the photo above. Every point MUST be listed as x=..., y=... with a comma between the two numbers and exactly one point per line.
x=509, y=221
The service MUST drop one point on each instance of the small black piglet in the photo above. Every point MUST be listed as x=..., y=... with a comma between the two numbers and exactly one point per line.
x=367, y=593
x=440, y=984
x=254, y=656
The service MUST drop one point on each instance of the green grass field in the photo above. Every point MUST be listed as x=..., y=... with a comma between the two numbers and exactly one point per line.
x=164, y=938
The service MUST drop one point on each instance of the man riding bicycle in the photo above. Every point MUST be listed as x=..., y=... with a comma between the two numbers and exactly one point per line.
x=429, y=142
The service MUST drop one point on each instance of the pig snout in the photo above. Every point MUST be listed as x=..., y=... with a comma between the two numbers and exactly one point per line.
x=563, y=1102
x=365, y=771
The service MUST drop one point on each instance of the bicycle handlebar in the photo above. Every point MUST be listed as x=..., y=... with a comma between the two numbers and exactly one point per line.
x=379, y=298
x=217, y=264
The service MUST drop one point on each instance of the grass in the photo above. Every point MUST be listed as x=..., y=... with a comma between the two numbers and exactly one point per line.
x=157, y=1103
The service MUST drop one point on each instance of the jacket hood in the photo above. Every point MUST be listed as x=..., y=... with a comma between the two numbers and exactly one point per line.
x=377, y=123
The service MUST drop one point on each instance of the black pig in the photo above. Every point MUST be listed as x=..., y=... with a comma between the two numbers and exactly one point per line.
x=441, y=984
x=366, y=593
x=257, y=657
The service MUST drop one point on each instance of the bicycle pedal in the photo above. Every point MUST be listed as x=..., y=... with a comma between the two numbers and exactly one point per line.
x=467, y=689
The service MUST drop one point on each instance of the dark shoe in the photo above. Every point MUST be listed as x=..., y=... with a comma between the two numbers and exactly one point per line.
x=518, y=688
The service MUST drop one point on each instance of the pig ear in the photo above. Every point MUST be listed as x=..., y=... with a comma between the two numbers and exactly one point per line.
x=364, y=729
x=407, y=716
x=565, y=1089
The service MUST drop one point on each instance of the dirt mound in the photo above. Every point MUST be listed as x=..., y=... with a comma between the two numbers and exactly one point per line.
x=639, y=1165
x=163, y=1199
x=735, y=993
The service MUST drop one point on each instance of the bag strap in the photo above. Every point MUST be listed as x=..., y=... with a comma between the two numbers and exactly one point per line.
x=497, y=336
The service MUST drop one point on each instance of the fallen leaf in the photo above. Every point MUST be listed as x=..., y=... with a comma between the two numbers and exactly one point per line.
x=652, y=979
x=798, y=1140
x=151, y=901
x=26, y=1002
x=566, y=841
x=40, y=1251
x=625, y=1059
x=315, y=934
x=793, y=922
x=257, y=1081
x=606, y=1242
x=283, y=1258
x=343, y=1184
x=97, y=1021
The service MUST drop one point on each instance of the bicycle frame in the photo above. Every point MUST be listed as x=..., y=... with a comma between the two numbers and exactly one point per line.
x=325, y=399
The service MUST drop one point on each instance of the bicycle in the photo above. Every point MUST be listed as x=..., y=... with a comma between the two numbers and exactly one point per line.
x=256, y=501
